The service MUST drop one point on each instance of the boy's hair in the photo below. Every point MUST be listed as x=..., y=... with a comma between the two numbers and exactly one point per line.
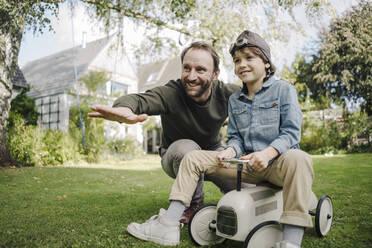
x=203, y=46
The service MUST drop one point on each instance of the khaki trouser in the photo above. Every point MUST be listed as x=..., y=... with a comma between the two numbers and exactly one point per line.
x=171, y=159
x=292, y=170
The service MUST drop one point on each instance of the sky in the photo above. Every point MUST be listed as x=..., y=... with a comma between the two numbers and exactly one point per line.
x=40, y=45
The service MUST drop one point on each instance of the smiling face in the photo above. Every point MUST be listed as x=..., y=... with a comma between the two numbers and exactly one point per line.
x=249, y=67
x=198, y=74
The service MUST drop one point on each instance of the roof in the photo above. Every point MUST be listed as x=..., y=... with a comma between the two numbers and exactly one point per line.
x=158, y=73
x=19, y=80
x=56, y=72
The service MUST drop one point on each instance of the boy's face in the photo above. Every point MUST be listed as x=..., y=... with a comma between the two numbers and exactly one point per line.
x=249, y=67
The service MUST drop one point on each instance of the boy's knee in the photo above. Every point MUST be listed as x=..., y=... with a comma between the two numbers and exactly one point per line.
x=298, y=160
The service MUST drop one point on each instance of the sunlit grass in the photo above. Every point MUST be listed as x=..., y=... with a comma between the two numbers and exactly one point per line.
x=90, y=205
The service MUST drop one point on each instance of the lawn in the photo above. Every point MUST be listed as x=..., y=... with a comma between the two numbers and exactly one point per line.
x=91, y=205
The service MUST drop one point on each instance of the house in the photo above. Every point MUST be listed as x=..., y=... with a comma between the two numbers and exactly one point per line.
x=52, y=79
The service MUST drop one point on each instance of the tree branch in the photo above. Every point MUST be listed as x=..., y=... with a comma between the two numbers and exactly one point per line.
x=139, y=16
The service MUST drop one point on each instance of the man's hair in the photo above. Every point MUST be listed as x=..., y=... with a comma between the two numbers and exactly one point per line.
x=203, y=46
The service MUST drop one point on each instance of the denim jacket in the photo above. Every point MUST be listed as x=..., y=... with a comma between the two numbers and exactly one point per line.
x=272, y=118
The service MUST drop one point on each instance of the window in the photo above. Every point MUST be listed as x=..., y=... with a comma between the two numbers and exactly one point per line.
x=118, y=88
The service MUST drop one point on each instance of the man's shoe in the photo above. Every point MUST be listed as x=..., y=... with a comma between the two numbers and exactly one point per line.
x=285, y=244
x=157, y=229
x=186, y=216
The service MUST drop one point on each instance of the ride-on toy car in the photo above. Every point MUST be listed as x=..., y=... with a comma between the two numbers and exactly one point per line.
x=251, y=215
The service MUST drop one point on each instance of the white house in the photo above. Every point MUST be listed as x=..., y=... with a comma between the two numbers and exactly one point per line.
x=52, y=78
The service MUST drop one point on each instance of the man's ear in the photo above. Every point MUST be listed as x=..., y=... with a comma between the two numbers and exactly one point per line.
x=216, y=74
x=267, y=65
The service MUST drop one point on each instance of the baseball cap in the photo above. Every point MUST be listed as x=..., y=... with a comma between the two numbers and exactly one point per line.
x=251, y=39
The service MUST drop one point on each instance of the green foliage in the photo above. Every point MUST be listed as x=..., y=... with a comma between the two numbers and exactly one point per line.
x=26, y=107
x=311, y=95
x=31, y=146
x=94, y=137
x=342, y=67
x=127, y=148
x=23, y=141
x=357, y=125
x=320, y=138
x=94, y=81
x=92, y=140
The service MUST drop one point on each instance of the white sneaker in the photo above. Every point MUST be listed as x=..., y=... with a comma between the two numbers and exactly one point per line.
x=157, y=229
x=285, y=244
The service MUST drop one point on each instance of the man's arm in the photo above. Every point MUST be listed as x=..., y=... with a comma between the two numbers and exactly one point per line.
x=134, y=108
x=119, y=114
x=152, y=102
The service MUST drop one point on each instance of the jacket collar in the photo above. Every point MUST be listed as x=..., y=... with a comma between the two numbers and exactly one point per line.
x=268, y=82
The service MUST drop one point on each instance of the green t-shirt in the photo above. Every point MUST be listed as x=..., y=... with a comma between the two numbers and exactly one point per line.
x=181, y=117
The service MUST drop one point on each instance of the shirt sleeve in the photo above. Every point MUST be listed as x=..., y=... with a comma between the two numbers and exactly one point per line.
x=290, y=120
x=234, y=139
x=152, y=102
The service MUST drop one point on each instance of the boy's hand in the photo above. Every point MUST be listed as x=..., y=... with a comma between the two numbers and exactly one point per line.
x=227, y=153
x=260, y=160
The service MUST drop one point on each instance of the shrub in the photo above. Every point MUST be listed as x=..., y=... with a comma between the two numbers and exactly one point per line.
x=94, y=139
x=23, y=141
x=128, y=147
x=319, y=138
x=25, y=106
x=30, y=146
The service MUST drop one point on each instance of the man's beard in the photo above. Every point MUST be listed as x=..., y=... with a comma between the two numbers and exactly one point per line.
x=203, y=87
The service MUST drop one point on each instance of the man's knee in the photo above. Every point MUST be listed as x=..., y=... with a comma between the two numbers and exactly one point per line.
x=178, y=149
x=175, y=153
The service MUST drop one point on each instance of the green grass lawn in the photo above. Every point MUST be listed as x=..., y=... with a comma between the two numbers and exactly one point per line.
x=91, y=205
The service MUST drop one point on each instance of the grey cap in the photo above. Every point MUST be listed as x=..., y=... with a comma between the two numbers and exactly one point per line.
x=251, y=39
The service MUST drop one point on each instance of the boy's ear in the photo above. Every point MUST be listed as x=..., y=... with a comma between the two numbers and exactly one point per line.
x=267, y=65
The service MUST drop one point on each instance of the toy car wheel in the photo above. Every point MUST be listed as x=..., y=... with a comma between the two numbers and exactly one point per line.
x=323, y=216
x=202, y=226
x=264, y=235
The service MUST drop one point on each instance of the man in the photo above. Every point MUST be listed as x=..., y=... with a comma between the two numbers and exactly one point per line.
x=192, y=111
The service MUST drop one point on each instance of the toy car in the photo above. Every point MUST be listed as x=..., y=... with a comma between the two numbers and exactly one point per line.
x=251, y=215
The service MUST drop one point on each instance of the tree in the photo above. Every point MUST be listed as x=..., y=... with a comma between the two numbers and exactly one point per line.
x=215, y=21
x=342, y=68
x=311, y=95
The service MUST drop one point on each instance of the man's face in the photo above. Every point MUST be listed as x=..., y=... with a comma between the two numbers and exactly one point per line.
x=198, y=74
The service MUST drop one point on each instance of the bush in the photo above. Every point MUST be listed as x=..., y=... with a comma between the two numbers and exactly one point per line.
x=94, y=138
x=335, y=136
x=30, y=146
x=128, y=147
x=319, y=139
x=25, y=106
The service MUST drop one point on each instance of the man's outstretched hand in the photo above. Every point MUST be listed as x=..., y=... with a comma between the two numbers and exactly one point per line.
x=119, y=114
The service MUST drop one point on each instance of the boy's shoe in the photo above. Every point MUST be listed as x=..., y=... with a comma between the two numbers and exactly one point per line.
x=285, y=244
x=157, y=229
